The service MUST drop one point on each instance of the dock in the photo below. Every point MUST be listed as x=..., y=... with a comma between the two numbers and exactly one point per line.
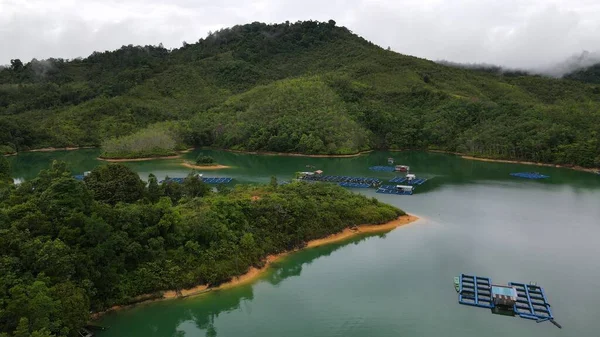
x=527, y=301
x=529, y=175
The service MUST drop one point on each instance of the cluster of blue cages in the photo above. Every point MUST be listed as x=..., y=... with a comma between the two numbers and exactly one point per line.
x=217, y=180
x=355, y=185
x=532, y=302
x=529, y=175
x=382, y=168
x=392, y=189
x=342, y=179
x=415, y=181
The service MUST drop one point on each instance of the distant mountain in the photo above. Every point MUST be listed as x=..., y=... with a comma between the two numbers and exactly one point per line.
x=309, y=87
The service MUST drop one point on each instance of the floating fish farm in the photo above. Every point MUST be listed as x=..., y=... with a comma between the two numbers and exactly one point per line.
x=527, y=301
x=529, y=175
x=409, y=181
x=355, y=185
x=382, y=168
x=341, y=179
x=216, y=180
x=393, y=189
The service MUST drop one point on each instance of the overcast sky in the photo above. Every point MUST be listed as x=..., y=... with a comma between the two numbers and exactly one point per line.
x=513, y=33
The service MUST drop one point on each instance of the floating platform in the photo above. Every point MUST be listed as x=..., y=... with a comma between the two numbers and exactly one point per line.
x=216, y=180
x=341, y=179
x=382, y=168
x=393, y=189
x=531, y=302
x=356, y=185
x=405, y=180
x=529, y=175
x=475, y=291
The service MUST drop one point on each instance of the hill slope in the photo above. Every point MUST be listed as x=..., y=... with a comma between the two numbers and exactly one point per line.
x=306, y=87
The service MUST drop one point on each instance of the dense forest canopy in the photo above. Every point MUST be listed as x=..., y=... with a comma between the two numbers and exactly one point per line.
x=309, y=87
x=69, y=246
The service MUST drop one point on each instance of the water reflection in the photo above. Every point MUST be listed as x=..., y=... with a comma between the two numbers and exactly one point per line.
x=197, y=316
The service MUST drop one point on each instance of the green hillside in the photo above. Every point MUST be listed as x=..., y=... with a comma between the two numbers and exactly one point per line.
x=306, y=87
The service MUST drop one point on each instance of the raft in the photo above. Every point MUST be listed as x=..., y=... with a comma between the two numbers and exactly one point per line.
x=527, y=301
x=529, y=175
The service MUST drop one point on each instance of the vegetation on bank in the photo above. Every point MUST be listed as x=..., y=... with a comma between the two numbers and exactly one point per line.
x=308, y=87
x=147, y=143
x=68, y=247
x=202, y=160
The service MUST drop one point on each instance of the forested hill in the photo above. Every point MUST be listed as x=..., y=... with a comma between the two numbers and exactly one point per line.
x=305, y=87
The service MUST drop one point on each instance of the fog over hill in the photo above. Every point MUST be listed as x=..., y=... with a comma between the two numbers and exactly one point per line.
x=572, y=64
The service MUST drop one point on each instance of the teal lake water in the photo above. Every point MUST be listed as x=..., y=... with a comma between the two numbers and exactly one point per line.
x=475, y=219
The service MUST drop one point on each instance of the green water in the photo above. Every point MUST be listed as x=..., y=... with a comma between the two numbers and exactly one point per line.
x=475, y=218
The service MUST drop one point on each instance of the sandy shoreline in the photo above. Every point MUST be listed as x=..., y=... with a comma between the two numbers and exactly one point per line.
x=253, y=273
x=293, y=154
x=52, y=149
x=138, y=159
x=208, y=167
x=574, y=167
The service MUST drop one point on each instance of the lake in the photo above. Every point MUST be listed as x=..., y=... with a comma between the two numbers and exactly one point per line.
x=475, y=219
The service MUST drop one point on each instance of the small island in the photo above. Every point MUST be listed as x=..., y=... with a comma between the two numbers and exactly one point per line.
x=204, y=163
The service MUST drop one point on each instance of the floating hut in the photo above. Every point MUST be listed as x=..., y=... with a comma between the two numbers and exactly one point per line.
x=504, y=295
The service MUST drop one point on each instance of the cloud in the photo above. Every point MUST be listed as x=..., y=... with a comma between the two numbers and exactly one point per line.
x=512, y=33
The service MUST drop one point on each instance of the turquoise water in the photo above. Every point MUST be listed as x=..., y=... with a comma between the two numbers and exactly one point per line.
x=475, y=218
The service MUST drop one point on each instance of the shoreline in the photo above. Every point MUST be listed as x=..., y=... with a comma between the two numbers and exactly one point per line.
x=68, y=148
x=119, y=160
x=207, y=167
x=253, y=273
x=295, y=154
x=574, y=167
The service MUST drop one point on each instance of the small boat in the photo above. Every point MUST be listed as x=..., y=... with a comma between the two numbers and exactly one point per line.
x=390, y=160
x=456, y=283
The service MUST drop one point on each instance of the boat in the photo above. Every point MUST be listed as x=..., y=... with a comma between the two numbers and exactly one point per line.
x=457, y=283
x=390, y=160
x=402, y=168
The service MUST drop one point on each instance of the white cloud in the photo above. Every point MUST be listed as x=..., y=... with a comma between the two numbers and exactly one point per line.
x=514, y=33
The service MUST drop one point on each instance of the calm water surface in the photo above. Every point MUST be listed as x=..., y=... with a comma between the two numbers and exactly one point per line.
x=475, y=219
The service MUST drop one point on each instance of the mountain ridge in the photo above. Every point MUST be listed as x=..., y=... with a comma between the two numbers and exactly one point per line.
x=309, y=87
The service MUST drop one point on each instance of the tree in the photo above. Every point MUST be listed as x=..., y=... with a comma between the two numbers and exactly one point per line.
x=273, y=183
x=193, y=186
x=5, y=173
x=200, y=160
x=153, y=189
x=16, y=65
x=115, y=183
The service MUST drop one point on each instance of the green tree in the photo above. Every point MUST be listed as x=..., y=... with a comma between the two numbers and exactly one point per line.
x=193, y=186
x=115, y=183
x=153, y=188
x=5, y=173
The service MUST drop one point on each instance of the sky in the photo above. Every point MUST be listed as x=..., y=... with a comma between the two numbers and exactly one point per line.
x=511, y=33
